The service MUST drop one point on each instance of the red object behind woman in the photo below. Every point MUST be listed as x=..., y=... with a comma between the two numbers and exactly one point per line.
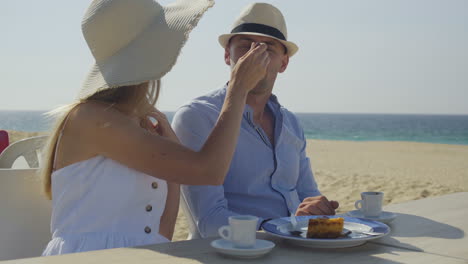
x=4, y=140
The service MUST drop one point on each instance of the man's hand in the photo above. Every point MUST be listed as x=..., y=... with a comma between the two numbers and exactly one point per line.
x=317, y=205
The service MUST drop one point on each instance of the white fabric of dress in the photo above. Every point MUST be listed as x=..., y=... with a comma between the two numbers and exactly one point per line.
x=99, y=204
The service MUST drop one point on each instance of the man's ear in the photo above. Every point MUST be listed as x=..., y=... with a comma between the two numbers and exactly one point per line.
x=284, y=63
x=227, y=56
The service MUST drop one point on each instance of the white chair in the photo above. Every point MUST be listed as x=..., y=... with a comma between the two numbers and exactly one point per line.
x=24, y=210
x=192, y=224
x=24, y=214
x=27, y=148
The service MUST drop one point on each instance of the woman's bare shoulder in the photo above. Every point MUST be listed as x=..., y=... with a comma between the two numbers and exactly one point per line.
x=79, y=133
x=92, y=110
x=94, y=114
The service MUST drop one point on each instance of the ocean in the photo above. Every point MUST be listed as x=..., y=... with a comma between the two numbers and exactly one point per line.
x=445, y=129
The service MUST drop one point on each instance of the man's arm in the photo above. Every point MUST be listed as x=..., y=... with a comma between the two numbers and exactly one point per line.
x=207, y=204
x=313, y=203
x=208, y=207
x=306, y=185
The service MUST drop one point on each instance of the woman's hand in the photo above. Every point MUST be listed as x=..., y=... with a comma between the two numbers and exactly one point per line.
x=162, y=127
x=251, y=68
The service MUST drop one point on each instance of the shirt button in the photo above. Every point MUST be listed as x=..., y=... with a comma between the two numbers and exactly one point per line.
x=149, y=208
x=147, y=230
x=154, y=185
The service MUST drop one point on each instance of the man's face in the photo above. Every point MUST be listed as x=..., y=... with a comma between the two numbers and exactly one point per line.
x=240, y=45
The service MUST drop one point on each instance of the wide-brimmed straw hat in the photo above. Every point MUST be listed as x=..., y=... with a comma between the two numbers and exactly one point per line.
x=134, y=41
x=261, y=19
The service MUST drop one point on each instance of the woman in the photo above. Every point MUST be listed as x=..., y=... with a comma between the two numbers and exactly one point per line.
x=113, y=174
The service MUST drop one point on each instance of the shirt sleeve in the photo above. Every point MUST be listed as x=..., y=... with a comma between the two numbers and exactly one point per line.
x=207, y=204
x=306, y=185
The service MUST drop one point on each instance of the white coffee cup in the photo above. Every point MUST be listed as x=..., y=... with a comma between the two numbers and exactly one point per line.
x=371, y=204
x=241, y=230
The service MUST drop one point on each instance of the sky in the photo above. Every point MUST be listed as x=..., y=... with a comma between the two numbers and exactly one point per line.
x=362, y=56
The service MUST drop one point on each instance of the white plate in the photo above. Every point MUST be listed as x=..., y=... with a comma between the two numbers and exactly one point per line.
x=281, y=227
x=385, y=217
x=227, y=248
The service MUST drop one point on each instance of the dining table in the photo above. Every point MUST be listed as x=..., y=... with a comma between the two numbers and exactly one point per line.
x=430, y=230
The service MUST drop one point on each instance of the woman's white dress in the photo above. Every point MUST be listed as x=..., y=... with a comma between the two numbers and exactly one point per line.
x=99, y=203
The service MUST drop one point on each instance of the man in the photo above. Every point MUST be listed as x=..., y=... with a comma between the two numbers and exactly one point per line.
x=270, y=175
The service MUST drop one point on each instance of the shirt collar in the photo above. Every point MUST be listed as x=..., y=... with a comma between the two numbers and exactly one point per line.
x=273, y=103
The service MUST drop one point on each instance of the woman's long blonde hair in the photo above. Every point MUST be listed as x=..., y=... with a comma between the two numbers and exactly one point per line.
x=139, y=96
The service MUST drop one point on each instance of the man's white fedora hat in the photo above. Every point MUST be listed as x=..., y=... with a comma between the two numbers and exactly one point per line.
x=261, y=19
x=134, y=41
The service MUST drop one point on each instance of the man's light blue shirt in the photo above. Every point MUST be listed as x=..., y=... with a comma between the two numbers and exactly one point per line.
x=266, y=180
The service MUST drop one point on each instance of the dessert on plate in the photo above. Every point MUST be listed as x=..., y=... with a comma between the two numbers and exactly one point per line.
x=324, y=227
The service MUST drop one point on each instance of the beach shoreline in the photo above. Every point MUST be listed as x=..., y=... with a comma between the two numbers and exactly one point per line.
x=404, y=171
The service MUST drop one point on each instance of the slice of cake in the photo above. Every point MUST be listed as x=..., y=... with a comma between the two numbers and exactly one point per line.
x=325, y=227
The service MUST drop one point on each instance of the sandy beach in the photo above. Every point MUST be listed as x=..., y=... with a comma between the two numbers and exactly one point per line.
x=402, y=170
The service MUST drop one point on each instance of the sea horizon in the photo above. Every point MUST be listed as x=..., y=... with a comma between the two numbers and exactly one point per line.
x=295, y=112
x=429, y=128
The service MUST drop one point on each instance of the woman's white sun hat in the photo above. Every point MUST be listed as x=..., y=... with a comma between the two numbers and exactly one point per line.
x=261, y=19
x=134, y=41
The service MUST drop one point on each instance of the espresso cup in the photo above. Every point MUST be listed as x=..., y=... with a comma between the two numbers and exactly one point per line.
x=241, y=231
x=371, y=204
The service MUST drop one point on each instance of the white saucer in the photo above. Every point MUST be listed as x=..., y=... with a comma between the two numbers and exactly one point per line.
x=226, y=247
x=385, y=217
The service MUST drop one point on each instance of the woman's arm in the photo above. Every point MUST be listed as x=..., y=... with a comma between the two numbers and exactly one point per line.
x=169, y=216
x=106, y=131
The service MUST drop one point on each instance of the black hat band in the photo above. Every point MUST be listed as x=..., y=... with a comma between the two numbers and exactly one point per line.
x=259, y=28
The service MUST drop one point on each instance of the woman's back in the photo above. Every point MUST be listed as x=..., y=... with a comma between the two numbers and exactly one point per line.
x=99, y=203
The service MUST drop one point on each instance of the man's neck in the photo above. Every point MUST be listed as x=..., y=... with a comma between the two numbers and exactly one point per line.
x=258, y=103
